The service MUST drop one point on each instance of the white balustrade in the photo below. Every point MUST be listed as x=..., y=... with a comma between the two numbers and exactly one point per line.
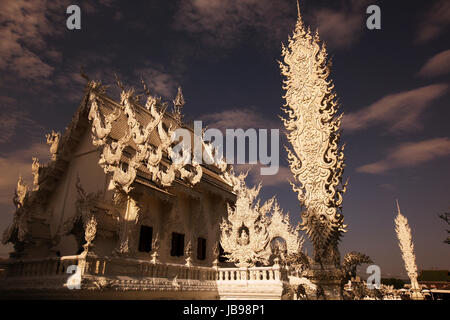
x=253, y=273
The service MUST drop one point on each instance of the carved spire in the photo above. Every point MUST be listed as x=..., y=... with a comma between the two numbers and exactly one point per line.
x=313, y=127
x=178, y=104
x=406, y=246
x=244, y=233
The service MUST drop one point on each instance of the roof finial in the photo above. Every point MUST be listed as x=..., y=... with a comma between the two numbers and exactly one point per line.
x=298, y=9
x=398, y=206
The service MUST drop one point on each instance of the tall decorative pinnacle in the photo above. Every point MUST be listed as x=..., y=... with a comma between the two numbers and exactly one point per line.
x=313, y=126
x=178, y=104
x=407, y=247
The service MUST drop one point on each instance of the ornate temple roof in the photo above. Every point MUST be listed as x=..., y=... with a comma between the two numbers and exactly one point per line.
x=158, y=134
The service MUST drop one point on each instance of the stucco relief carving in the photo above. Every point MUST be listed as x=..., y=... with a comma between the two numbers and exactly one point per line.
x=128, y=222
x=53, y=141
x=313, y=125
x=20, y=194
x=248, y=230
x=35, y=168
x=90, y=231
x=280, y=227
x=84, y=216
x=178, y=104
x=155, y=248
x=137, y=136
x=85, y=207
x=244, y=236
x=18, y=230
x=188, y=253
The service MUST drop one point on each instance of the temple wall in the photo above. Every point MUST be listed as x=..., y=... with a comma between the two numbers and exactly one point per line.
x=191, y=216
x=62, y=202
x=193, y=211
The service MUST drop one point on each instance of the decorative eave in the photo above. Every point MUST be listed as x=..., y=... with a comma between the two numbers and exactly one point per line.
x=129, y=133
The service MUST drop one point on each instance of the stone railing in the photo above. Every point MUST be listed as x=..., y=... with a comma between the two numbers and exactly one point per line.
x=92, y=277
x=106, y=266
x=252, y=283
x=275, y=273
x=114, y=277
x=116, y=266
x=40, y=267
x=119, y=266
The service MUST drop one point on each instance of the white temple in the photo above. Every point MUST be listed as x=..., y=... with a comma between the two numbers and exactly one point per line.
x=113, y=215
x=113, y=206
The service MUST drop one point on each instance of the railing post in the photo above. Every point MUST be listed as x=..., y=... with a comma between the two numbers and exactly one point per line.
x=243, y=272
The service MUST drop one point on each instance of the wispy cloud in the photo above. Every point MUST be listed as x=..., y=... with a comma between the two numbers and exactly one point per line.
x=12, y=120
x=436, y=65
x=399, y=111
x=343, y=26
x=434, y=22
x=409, y=154
x=25, y=26
x=224, y=23
x=158, y=80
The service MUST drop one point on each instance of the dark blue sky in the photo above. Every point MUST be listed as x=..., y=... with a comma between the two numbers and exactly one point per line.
x=392, y=84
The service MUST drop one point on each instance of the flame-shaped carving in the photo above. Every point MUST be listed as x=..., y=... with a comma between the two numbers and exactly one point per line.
x=249, y=228
x=136, y=137
x=407, y=247
x=313, y=128
x=53, y=141
x=244, y=235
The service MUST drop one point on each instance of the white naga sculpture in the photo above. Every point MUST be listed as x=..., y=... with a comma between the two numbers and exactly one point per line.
x=407, y=247
x=147, y=157
x=53, y=141
x=249, y=229
x=313, y=126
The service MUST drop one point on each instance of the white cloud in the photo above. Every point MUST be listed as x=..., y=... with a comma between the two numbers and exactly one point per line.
x=436, y=65
x=25, y=26
x=434, y=22
x=342, y=27
x=12, y=120
x=224, y=23
x=399, y=111
x=158, y=81
x=410, y=154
